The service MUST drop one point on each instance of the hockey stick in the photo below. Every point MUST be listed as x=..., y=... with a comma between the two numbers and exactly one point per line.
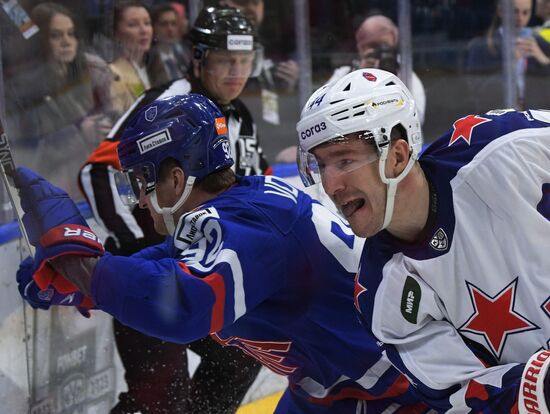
x=7, y=171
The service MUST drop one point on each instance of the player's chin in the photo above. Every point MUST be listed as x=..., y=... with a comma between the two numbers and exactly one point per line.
x=361, y=222
x=359, y=228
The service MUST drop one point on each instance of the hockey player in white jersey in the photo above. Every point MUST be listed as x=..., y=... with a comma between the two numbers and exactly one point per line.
x=455, y=273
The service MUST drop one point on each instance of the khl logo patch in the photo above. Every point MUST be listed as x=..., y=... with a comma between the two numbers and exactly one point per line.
x=439, y=241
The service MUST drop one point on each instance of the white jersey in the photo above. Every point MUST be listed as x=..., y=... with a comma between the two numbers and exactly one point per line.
x=462, y=310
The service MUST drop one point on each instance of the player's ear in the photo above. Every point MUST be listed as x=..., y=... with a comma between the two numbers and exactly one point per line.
x=178, y=180
x=398, y=157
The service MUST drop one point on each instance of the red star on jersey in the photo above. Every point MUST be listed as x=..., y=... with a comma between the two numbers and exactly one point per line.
x=359, y=288
x=495, y=317
x=464, y=127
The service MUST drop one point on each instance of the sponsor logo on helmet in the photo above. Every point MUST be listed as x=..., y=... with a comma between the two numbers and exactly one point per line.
x=151, y=114
x=315, y=129
x=153, y=141
x=369, y=76
x=221, y=126
x=385, y=102
x=240, y=42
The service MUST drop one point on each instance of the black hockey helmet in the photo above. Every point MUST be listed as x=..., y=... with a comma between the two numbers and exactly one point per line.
x=214, y=26
x=224, y=28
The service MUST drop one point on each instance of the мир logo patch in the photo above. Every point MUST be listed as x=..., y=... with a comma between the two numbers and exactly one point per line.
x=410, y=299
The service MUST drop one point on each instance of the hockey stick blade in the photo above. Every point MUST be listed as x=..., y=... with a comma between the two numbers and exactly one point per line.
x=7, y=171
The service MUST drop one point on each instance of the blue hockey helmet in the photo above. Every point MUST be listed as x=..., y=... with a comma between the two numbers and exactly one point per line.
x=188, y=128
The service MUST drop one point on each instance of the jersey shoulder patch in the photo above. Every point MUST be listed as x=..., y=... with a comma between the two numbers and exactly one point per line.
x=190, y=226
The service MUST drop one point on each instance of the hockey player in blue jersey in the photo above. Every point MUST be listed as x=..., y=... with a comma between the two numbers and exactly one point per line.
x=455, y=273
x=251, y=261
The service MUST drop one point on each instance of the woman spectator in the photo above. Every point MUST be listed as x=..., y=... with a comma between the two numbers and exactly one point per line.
x=64, y=115
x=133, y=69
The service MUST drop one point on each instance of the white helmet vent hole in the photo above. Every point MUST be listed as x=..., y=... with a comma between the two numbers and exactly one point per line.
x=347, y=88
x=340, y=112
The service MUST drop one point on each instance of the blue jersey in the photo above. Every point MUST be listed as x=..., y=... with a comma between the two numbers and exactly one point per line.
x=264, y=268
x=461, y=310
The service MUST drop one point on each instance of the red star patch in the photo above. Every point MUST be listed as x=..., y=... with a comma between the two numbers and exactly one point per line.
x=464, y=127
x=495, y=317
x=359, y=288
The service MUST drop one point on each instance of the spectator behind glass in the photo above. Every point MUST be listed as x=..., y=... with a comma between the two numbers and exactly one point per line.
x=168, y=49
x=133, y=68
x=484, y=61
x=377, y=42
x=183, y=21
x=63, y=116
x=542, y=33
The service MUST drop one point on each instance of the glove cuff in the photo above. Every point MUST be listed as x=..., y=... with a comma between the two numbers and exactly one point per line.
x=532, y=393
x=71, y=234
x=65, y=239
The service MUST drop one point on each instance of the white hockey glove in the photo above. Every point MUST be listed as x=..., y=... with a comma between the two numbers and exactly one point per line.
x=534, y=389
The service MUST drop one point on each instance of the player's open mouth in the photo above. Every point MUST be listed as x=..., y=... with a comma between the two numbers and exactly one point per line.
x=349, y=208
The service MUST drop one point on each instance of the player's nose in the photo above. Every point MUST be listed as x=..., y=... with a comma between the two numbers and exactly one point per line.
x=332, y=183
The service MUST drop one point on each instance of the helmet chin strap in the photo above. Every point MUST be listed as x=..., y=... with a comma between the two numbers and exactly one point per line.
x=168, y=212
x=392, y=182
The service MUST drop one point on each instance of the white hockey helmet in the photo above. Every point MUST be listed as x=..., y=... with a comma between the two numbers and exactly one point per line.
x=370, y=101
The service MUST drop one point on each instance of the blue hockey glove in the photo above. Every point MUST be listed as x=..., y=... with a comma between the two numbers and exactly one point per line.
x=43, y=298
x=55, y=227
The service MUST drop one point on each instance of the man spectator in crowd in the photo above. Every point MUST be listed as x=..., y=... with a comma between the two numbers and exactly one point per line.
x=377, y=42
x=168, y=47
